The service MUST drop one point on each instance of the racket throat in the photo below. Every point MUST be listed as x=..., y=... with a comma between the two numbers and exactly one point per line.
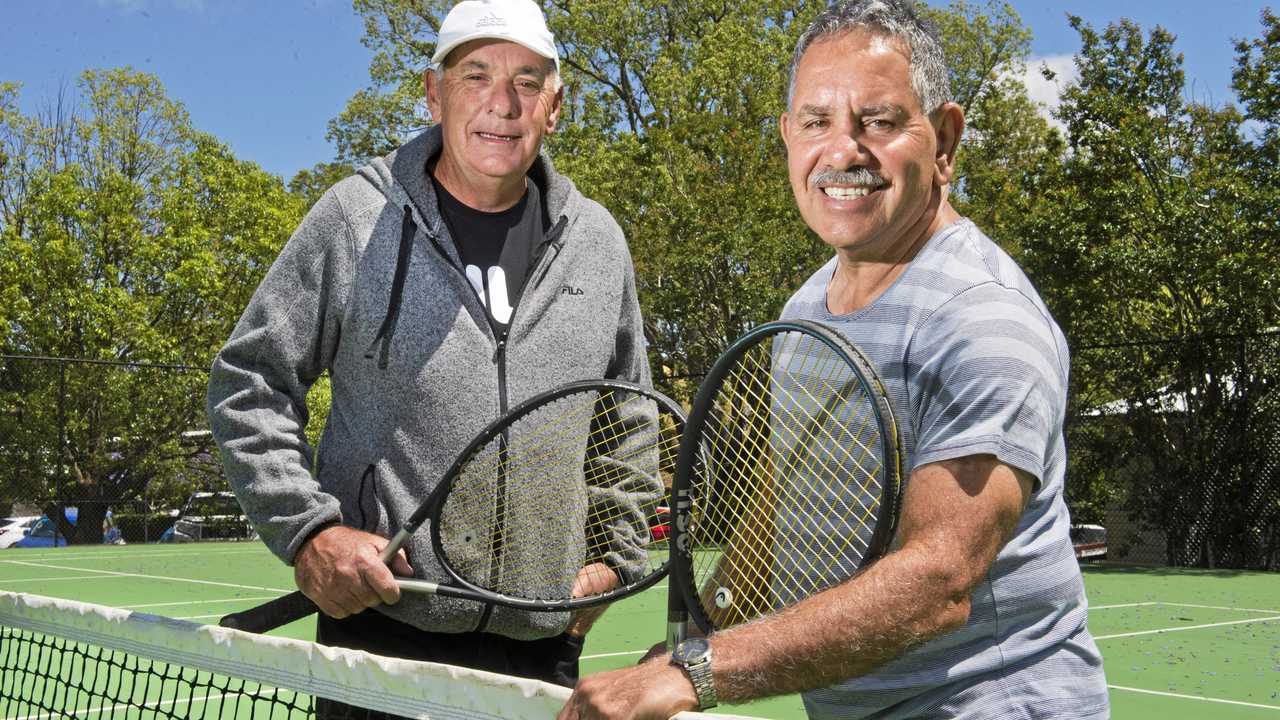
x=397, y=542
x=677, y=632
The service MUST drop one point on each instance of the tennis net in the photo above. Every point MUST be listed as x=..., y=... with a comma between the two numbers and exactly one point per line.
x=65, y=659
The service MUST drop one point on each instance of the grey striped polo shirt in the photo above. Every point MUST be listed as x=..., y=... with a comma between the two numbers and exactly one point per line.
x=974, y=364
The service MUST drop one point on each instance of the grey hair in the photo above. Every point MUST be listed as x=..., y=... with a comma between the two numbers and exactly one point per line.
x=894, y=19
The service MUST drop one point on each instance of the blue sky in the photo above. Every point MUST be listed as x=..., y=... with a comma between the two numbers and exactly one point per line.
x=266, y=76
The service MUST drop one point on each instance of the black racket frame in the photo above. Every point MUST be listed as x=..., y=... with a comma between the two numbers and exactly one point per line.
x=683, y=596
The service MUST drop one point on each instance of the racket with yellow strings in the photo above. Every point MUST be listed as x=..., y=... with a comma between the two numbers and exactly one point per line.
x=555, y=506
x=788, y=480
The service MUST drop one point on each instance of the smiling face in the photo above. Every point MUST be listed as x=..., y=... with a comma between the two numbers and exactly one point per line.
x=496, y=101
x=867, y=165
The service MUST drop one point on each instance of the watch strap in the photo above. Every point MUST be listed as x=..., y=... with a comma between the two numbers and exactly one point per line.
x=699, y=673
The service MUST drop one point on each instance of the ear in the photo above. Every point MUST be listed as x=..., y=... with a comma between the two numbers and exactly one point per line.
x=553, y=113
x=784, y=129
x=431, y=88
x=948, y=126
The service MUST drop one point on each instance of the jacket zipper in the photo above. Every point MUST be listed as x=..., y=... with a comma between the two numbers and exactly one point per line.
x=500, y=359
x=552, y=240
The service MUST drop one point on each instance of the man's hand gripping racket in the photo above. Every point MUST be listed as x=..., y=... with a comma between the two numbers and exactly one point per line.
x=550, y=508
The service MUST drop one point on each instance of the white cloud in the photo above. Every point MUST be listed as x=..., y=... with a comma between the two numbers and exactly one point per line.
x=1048, y=93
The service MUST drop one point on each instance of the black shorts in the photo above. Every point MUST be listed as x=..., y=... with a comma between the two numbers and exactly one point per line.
x=553, y=660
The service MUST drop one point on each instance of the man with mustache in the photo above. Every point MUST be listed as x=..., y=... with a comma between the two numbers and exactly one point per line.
x=439, y=287
x=979, y=610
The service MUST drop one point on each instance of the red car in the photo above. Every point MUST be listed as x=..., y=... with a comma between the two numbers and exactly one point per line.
x=662, y=519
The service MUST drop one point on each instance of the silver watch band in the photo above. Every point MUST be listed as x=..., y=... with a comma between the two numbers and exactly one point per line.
x=703, y=685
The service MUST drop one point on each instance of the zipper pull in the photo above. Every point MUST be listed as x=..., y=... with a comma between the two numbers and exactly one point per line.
x=502, y=345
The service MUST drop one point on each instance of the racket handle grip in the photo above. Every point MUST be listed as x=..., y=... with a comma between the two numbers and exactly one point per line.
x=271, y=615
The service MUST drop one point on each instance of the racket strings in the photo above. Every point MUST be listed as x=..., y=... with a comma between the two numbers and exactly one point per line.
x=792, y=484
x=546, y=510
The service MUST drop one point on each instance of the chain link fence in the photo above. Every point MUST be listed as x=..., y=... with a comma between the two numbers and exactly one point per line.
x=1174, y=447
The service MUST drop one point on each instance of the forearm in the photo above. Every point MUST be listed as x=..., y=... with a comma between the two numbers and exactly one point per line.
x=905, y=599
x=265, y=455
x=257, y=406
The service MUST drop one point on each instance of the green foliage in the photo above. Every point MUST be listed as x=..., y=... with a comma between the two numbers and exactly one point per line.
x=309, y=185
x=1009, y=148
x=1149, y=231
x=128, y=237
x=1256, y=78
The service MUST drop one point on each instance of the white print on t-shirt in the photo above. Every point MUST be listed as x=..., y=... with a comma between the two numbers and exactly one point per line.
x=497, y=303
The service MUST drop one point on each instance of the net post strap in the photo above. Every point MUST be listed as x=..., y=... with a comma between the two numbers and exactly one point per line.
x=403, y=687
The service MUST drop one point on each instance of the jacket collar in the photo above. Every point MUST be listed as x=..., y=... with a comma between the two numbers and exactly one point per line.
x=408, y=166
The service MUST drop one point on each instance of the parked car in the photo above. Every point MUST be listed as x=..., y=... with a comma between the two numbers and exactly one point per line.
x=13, y=529
x=209, y=516
x=42, y=531
x=1090, y=542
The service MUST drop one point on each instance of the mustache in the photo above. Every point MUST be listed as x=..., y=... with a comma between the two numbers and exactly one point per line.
x=852, y=176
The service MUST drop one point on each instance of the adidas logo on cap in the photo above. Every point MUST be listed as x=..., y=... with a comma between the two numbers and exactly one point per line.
x=490, y=20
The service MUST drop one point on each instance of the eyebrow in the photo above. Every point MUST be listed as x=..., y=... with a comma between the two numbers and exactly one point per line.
x=815, y=110
x=825, y=110
x=483, y=66
x=884, y=109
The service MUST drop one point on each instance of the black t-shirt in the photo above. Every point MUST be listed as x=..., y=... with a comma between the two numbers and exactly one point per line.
x=496, y=247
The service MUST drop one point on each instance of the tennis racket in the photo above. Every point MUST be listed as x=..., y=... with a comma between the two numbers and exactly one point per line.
x=563, y=490
x=788, y=477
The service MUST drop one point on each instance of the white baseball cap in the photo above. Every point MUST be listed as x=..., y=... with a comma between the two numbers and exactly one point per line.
x=519, y=21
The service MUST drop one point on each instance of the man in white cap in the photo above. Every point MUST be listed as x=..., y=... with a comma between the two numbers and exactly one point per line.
x=439, y=286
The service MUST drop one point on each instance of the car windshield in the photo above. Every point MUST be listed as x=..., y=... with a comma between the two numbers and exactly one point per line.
x=213, y=505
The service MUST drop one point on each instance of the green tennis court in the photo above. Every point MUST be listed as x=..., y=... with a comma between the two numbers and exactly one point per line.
x=1177, y=643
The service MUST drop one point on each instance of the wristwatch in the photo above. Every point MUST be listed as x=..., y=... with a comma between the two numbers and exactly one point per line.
x=694, y=655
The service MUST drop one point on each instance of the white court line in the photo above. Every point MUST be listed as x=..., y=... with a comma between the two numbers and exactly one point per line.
x=261, y=550
x=613, y=654
x=152, y=577
x=1190, y=605
x=1188, y=627
x=1180, y=696
x=46, y=579
x=200, y=602
x=1220, y=607
x=112, y=708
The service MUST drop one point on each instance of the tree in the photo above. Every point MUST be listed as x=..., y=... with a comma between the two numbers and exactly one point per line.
x=1147, y=249
x=309, y=185
x=1009, y=148
x=131, y=239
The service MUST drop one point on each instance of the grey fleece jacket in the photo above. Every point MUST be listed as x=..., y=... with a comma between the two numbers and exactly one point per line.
x=437, y=374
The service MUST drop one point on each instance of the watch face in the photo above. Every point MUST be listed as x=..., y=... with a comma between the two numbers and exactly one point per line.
x=692, y=650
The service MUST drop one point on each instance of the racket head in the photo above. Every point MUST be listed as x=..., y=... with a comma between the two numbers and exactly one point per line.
x=788, y=479
x=568, y=487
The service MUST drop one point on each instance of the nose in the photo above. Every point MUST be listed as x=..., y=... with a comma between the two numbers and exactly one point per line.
x=846, y=150
x=503, y=101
